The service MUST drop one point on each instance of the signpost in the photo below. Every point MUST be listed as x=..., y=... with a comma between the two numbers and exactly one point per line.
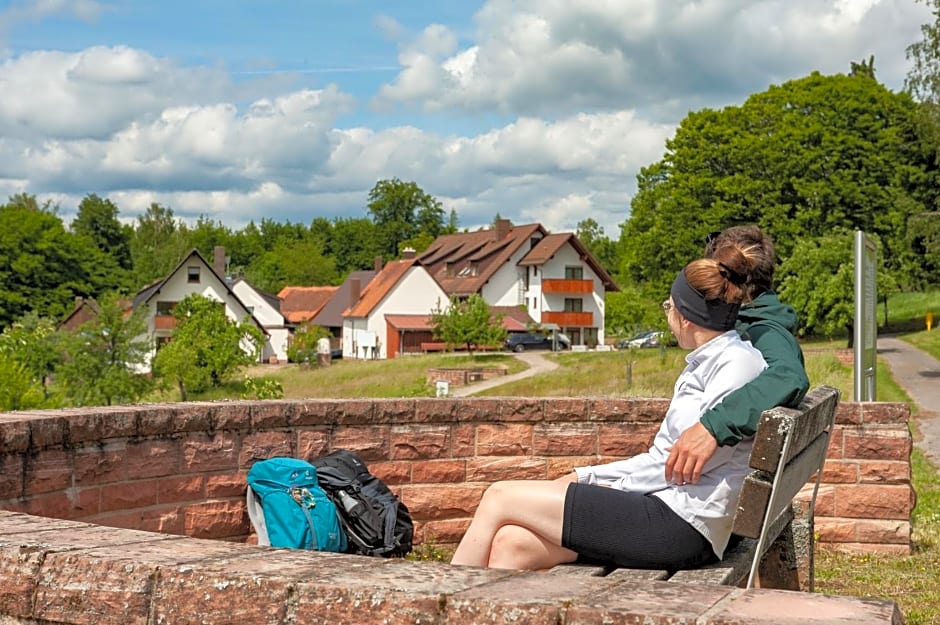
x=866, y=323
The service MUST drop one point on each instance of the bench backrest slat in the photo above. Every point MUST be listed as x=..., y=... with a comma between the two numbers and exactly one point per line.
x=813, y=417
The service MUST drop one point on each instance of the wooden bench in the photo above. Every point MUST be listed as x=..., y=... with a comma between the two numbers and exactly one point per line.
x=789, y=448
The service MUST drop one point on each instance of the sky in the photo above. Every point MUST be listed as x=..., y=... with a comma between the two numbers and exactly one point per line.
x=535, y=110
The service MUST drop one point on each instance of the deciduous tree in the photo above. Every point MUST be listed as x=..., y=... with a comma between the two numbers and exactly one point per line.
x=468, y=323
x=402, y=210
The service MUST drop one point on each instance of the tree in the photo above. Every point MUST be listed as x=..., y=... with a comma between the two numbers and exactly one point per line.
x=402, y=210
x=813, y=156
x=923, y=79
x=97, y=220
x=30, y=352
x=591, y=234
x=292, y=263
x=158, y=244
x=630, y=311
x=303, y=345
x=206, y=347
x=468, y=323
x=353, y=243
x=103, y=357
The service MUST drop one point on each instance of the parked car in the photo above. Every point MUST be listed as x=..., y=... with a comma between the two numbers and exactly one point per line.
x=521, y=341
x=650, y=338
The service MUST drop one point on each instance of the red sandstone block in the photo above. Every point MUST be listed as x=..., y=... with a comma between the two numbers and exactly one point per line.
x=224, y=485
x=835, y=444
x=825, y=501
x=153, y=458
x=128, y=495
x=210, y=453
x=840, y=471
x=496, y=469
x=874, y=444
x=11, y=476
x=394, y=411
x=436, y=410
x=443, y=532
x=14, y=435
x=164, y=520
x=882, y=412
x=314, y=412
x=216, y=519
x=356, y=412
x=435, y=502
x=370, y=442
x=869, y=501
x=857, y=548
x=47, y=429
x=884, y=532
x=560, y=466
x=62, y=505
x=623, y=440
x=19, y=569
x=566, y=410
x=269, y=414
x=102, y=423
x=410, y=442
x=566, y=439
x=181, y=488
x=263, y=445
x=633, y=409
x=478, y=410
x=836, y=530
x=392, y=473
x=778, y=607
x=163, y=419
x=888, y=472
x=313, y=443
x=94, y=465
x=464, y=439
x=527, y=409
x=439, y=472
x=46, y=471
x=510, y=439
x=848, y=413
x=228, y=416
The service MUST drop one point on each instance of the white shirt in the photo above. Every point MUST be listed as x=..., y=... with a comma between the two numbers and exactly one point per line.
x=716, y=368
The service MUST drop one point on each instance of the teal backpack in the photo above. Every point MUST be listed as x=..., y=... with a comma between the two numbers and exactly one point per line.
x=288, y=508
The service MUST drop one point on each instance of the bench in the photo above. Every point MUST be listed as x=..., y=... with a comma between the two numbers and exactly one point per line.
x=789, y=448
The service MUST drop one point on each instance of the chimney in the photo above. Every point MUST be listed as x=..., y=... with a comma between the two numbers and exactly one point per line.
x=503, y=226
x=355, y=290
x=218, y=260
x=408, y=253
x=378, y=264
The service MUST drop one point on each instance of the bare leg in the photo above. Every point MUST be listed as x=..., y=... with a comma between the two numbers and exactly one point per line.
x=516, y=547
x=533, y=505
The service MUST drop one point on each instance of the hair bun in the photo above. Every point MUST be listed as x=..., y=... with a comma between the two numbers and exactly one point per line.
x=731, y=275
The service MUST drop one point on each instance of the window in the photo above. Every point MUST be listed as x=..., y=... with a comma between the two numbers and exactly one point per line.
x=470, y=270
x=574, y=304
x=192, y=275
x=165, y=308
x=574, y=273
x=535, y=303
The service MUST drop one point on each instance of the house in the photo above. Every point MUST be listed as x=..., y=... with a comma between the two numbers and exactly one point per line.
x=300, y=304
x=554, y=277
x=396, y=303
x=266, y=308
x=84, y=311
x=192, y=275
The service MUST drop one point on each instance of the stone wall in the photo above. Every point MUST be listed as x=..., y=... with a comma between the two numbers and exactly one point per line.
x=461, y=376
x=180, y=468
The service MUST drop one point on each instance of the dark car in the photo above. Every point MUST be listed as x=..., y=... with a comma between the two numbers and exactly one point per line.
x=521, y=341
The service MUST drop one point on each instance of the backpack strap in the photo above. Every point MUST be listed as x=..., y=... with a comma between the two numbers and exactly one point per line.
x=256, y=515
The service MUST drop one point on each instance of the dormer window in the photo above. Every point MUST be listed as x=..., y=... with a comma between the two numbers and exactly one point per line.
x=471, y=269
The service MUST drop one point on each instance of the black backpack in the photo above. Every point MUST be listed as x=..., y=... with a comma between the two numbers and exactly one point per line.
x=376, y=522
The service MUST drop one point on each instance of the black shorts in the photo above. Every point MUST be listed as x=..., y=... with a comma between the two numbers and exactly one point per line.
x=610, y=526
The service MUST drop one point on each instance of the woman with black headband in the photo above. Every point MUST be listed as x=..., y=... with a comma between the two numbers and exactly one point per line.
x=626, y=513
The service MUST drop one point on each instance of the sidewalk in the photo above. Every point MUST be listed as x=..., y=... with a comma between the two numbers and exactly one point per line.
x=918, y=373
x=537, y=364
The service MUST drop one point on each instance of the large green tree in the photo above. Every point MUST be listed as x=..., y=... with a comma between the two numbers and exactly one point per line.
x=103, y=357
x=402, y=211
x=158, y=244
x=30, y=351
x=206, y=347
x=803, y=159
x=468, y=323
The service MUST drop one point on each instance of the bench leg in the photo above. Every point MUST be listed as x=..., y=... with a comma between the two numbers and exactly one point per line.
x=788, y=564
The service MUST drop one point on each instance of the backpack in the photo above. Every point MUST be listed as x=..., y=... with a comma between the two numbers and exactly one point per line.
x=288, y=508
x=376, y=522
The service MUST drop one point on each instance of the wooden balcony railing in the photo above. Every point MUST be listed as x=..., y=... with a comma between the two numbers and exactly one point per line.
x=556, y=285
x=164, y=322
x=569, y=319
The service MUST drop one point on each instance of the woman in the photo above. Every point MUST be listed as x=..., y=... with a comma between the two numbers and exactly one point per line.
x=639, y=519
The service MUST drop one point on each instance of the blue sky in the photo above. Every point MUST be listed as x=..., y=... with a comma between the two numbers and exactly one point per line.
x=540, y=110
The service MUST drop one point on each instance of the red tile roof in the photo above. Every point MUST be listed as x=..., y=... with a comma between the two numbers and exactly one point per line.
x=409, y=322
x=549, y=246
x=302, y=303
x=379, y=287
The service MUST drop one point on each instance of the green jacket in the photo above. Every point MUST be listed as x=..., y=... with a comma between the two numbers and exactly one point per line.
x=770, y=326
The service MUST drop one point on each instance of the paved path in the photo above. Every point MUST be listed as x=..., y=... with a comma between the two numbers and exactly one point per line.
x=918, y=373
x=537, y=364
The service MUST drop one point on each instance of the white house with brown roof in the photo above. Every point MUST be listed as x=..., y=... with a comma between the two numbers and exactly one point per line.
x=399, y=299
x=192, y=275
x=266, y=308
x=553, y=276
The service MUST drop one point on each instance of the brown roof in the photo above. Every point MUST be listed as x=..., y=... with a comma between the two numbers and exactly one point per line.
x=300, y=304
x=549, y=246
x=379, y=287
x=331, y=315
x=477, y=254
x=409, y=322
x=515, y=318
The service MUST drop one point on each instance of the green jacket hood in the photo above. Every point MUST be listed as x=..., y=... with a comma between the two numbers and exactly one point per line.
x=767, y=307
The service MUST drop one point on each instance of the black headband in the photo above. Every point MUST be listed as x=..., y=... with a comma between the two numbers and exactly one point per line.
x=714, y=314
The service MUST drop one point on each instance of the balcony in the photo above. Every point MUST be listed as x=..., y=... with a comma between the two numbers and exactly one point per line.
x=569, y=319
x=555, y=285
x=164, y=322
